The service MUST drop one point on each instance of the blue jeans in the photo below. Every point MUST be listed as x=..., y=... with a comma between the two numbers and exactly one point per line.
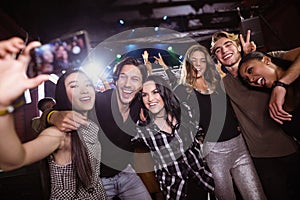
x=126, y=185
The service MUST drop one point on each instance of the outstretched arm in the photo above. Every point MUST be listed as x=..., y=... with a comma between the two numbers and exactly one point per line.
x=13, y=82
x=18, y=155
x=278, y=93
x=11, y=149
x=148, y=64
x=170, y=74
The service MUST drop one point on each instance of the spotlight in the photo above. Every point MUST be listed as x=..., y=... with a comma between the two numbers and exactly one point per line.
x=118, y=57
x=76, y=49
x=165, y=17
x=156, y=28
x=170, y=48
x=121, y=21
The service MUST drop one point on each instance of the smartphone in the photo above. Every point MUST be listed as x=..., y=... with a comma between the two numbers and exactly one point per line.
x=59, y=54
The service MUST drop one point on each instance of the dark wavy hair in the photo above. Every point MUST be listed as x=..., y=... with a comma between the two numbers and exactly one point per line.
x=256, y=55
x=129, y=61
x=80, y=159
x=43, y=102
x=172, y=104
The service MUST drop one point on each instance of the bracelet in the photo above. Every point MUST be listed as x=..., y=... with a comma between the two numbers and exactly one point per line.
x=11, y=108
x=279, y=83
x=49, y=115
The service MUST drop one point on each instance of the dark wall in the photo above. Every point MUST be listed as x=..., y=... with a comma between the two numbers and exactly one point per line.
x=279, y=23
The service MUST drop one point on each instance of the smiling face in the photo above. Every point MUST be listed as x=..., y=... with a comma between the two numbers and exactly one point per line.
x=198, y=61
x=227, y=52
x=258, y=73
x=152, y=99
x=48, y=56
x=128, y=84
x=80, y=91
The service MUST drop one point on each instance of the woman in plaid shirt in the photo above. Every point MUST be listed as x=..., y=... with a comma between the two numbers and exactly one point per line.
x=172, y=140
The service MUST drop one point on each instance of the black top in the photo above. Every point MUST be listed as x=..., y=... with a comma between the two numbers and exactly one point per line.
x=292, y=105
x=216, y=115
x=116, y=142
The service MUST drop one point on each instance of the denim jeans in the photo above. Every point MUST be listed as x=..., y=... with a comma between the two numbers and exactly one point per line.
x=126, y=185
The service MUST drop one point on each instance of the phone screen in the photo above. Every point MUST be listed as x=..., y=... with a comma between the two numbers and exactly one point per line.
x=59, y=54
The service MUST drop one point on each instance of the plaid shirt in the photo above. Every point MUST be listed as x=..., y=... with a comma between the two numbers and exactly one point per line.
x=63, y=179
x=177, y=157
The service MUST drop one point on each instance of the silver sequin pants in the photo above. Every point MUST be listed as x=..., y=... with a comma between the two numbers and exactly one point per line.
x=230, y=161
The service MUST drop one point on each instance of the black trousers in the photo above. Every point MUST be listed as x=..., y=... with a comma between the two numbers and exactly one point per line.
x=280, y=176
x=195, y=191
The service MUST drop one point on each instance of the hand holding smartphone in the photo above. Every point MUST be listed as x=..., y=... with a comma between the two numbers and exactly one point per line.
x=59, y=54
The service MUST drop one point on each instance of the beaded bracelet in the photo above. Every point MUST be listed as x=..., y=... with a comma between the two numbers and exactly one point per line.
x=11, y=108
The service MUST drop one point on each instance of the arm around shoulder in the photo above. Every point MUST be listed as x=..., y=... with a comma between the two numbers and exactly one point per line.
x=44, y=119
x=293, y=71
x=278, y=93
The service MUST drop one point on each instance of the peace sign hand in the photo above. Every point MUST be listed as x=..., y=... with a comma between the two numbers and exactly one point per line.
x=247, y=46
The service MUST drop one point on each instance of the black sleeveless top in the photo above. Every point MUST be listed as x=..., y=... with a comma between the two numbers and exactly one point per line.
x=215, y=113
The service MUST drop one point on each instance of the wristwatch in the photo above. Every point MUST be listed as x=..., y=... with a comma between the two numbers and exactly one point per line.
x=279, y=83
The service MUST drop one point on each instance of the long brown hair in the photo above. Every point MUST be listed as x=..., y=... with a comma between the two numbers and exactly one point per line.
x=80, y=159
x=188, y=70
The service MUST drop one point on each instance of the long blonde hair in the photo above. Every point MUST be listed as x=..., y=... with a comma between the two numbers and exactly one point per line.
x=211, y=75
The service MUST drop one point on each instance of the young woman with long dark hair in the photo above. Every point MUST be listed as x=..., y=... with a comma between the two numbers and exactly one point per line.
x=73, y=157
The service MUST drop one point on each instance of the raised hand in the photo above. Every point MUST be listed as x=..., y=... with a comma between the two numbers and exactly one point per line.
x=275, y=105
x=11, y=47
x=148, y=64
x=67, y=121
x=145, y=56
x=13, y=78
x=248, y=46
x=160, y=61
